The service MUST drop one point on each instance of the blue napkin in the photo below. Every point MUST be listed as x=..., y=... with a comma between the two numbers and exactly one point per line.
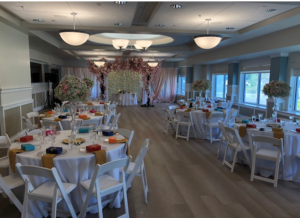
x=83, y=130
x=62, y=116
x=27, y=147
x=54, y=150
x=245, y=121
x=65, y=110
x=217, y=109
x=108, y=133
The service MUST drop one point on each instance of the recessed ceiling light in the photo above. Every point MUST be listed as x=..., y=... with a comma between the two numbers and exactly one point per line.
x=121, y=2
x=176, y=6
x=159, y=25
x=230, y=28
x=119, y=24
x=38, y=20
x=271, y=10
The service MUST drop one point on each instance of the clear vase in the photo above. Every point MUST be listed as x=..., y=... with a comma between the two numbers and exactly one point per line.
x=73, y=106
x=275, y=99
x=200, y=99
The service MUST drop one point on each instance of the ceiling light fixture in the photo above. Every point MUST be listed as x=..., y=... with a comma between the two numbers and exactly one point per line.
x=38, y=20
x=140, y=45
x=176, y=6
x=99, y=63
x=207, y=41
x=120, y=2
x=74, y=37
x=159, y=25
x=152, y=64
x=271, y=10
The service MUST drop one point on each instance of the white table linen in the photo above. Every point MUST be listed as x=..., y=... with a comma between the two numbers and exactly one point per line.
x=66, y=123
x=73, y=167
x=125, y=99
x=291, y=146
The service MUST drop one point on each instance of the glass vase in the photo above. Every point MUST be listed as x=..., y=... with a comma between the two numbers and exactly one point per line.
x=200, y=99
x=73, y=106
x=275, y=99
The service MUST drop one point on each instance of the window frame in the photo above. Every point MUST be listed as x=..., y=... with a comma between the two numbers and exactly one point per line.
x=296, y=92
x=224, y=82
x=179, y=86
x=258, y=87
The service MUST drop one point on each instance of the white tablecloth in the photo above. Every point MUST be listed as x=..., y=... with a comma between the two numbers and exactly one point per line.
x=66, y=123
x=72, y=167
x=125, y=99
x=291, y=146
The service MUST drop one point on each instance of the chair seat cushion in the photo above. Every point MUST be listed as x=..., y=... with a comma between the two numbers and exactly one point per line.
x=105, y=182
x=47, y=189
x=4, y=163
x=13, y=181
x=266, y=153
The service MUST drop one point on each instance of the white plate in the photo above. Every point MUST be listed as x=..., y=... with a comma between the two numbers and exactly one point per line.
x=41, y=153
x=83, y=150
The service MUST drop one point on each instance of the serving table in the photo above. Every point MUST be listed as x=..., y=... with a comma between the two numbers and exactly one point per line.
x=126, y=99
x=291, y=146
x=73, y=167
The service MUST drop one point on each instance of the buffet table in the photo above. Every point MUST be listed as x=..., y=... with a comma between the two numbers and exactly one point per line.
x=126, y=99
x=73, y=167
x=291, y=146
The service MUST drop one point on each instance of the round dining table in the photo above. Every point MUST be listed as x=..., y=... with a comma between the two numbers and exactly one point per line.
x=74, y=166
x=291, y=146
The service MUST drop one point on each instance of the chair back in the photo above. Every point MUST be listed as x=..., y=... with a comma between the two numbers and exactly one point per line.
x=230, y=116
x=121, y=163
x=266, y=139
x=183, y=116
x=34, y=132
x=46, y=123
x=229, y=104
x=109, y=115
x=112, y=108
x=5, y=142
x=224, y=134
x=114, y=123
x=27, y=123
x=95, y=122
x=166, y=114
x=31, y=116
x=127, y=134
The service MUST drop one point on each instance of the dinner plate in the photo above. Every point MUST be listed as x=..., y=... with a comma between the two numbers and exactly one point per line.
x=78, y=141
x=41, y=153
x=83, y=150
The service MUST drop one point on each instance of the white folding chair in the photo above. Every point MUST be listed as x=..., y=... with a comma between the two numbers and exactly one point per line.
x=183, y=119
x=8, y=183
x=107, y=116
x=27, y=123
x=95, y=122
x=261, y=152
x=52, y=191
x=212, y=123
x=114, y=124
x=31, y=116
x=137, y=168
x=235, y=143
x=47, y=123
x=102, y=184
x=127, y=134
x=112, y=108
x=5, y=143
x=223, y=137
x=298, y=172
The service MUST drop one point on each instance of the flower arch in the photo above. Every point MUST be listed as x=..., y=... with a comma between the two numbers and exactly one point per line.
x=137, y=65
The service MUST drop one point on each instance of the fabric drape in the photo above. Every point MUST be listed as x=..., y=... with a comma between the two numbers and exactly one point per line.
x=164, y=85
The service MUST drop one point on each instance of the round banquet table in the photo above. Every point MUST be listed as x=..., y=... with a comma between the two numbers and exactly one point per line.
x=291, y=146
x=124, y=99
x=198, y=118
x=73, y=167
x=66, y=123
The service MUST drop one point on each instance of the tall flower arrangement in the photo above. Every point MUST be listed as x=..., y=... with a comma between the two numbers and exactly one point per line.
x=88, y=82
x=201, y=85
x=277, y=89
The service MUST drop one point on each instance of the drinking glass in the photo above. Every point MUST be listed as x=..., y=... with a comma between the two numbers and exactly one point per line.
x=52, y=138
x=53, y=129
x=274, y=117
x=43, y=134
x=291, y=118
x=260, y=116
x=298, y=122
x=93, y=137
x=282, y=123
x=71, y=142
x=253, y=118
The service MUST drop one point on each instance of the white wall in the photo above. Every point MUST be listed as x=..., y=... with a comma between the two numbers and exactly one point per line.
x=36, y=56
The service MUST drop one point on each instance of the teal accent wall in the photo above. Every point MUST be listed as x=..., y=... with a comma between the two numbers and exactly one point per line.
x=278, y=68
x=233, y=73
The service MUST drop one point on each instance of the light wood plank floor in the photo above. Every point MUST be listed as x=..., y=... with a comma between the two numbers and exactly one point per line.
x=186, y=180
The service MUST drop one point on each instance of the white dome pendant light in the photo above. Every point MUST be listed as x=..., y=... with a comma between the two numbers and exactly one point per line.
x=207, y=41
x=74, y=37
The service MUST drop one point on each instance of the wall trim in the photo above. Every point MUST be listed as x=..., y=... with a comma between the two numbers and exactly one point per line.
x=16, y=89
x=5, y=107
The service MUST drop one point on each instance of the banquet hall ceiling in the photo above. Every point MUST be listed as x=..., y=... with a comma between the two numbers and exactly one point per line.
x=248, y=20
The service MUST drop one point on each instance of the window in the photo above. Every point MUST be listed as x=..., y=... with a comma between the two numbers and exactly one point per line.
x=221, y=86
x=181, y=85
x=36, y=72
x=253, y=84
x=297, y=102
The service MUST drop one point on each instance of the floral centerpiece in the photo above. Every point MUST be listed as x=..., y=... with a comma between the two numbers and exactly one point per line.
x=88, y=82
x=201, y=85
x=276, y=89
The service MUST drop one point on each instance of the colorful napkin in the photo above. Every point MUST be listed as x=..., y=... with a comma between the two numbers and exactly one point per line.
x=100, y=156
x=57, y=119
x=207, y=114
x=242, y=131
x=11, y=156
x=125, y=140
x=278, y=133
x=47, y=160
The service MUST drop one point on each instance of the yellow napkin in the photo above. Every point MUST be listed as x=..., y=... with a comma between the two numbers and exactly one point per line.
x=242, y=131
x=57, y=119
x=207, y=114
x=219, y=104
x=126, y=141
x=278, y=133
x=175, y=110
x=47, y=160
x=100, y=156
x=87, y=118
x=105, y=106
x=11, y=156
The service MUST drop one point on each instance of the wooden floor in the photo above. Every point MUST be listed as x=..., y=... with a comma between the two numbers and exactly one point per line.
x=186, y=180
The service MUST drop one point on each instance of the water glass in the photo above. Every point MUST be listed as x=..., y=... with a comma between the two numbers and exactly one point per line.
x=53, y=129
x=298, y=122
x=43, y=133
x=282, y=123
x=291, y=118
x=253, y=118
x=71, y=142
x=260, y=116
x=93, y=137
x=52, y=138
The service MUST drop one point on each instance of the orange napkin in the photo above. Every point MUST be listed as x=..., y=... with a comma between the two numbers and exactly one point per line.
x=125, y=140
x=81, y=116
x=50, y=112
x=47, y=160
x=11, y=156
x=89, y=103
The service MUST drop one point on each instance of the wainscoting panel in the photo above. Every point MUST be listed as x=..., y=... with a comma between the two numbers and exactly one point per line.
x=34, y=101
x=25, y=109
x=13, y=121
x=246, y=111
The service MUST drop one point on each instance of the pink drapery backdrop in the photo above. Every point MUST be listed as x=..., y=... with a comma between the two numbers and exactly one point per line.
x=164, y=85
x=83, y=72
